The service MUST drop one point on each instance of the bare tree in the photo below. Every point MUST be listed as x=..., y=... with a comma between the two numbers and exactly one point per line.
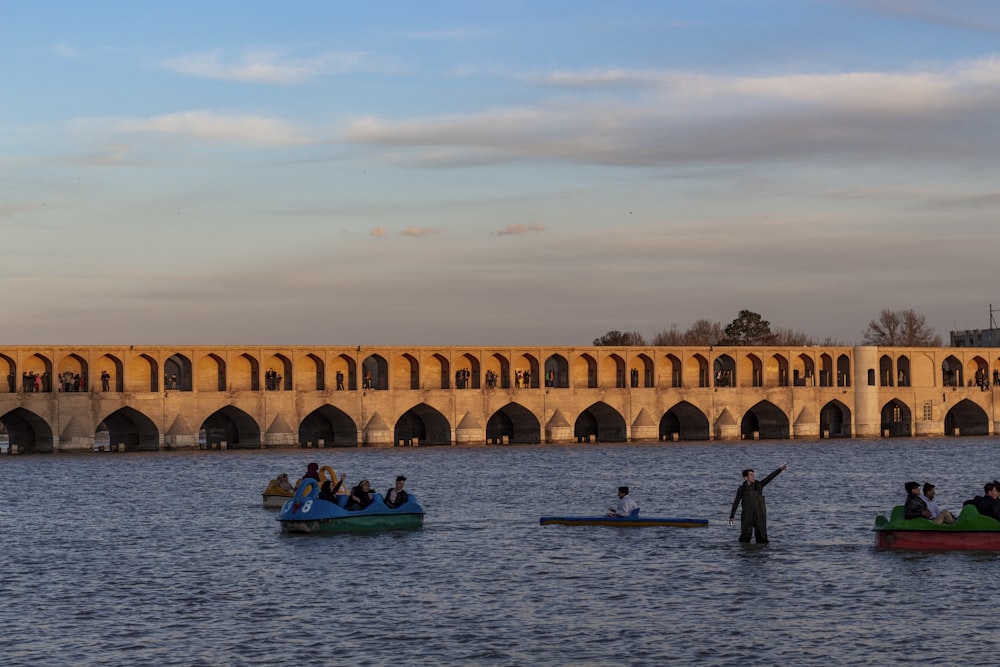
x=901, y=328
x=791, y=338
x=669, y=337
x=621, y=339
x=703, y=332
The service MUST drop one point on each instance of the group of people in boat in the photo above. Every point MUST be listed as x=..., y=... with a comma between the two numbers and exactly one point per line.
x=360, y=496
x=923, y=505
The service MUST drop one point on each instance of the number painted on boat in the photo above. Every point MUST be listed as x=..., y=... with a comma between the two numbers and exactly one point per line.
x=306, y=506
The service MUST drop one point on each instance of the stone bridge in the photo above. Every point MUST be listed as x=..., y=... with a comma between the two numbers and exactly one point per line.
x=130, y=398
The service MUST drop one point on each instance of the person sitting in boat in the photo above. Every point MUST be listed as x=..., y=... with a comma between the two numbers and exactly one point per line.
x=396, y=496
x=988, y=504
x=938, y=515
x=312, y=472
x=361, y=496
x=282, y=482
x=915, y=506
x=328, y=491
x=627, y=506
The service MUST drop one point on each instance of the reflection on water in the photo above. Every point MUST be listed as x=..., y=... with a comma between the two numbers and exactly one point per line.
x=168, y=559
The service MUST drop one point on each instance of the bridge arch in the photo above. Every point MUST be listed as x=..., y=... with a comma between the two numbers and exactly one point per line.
x=514, y=422
x=500, y=366
x=210, y=373
x=232, y=426
x=28, y=431
x=765, y=420
x=375, y=372
x=9, y=371
x=966, y=418
x=835, y=420
x=424, y=424
x=600, y=422
x=897, y=420
x=674, y=369
x=406, y=372
x=177, y=373
x=585, y=372
x=131, y=427
x=76, y=372
x=684, y=422
x=315, y=380
x=557, y=372
x=331, y=425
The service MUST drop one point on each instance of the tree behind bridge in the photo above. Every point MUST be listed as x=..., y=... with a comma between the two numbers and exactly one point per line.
x=621, y=339
x=901, y=328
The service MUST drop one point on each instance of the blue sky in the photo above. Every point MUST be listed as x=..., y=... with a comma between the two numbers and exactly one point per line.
x=493, y=173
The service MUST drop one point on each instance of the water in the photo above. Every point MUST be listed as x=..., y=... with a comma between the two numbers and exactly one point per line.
x=168, y=559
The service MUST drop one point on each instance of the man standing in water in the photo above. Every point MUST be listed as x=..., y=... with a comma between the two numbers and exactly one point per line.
x=753, y=518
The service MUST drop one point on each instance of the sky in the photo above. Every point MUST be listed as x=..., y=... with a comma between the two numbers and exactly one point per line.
x=499, y=173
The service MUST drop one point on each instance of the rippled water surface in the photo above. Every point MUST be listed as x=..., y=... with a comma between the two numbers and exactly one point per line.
x=169, y=559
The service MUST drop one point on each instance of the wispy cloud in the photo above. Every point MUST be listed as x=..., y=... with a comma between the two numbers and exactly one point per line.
x=210, y=126
x=418, y=231
x=272, y=67
x=520, y=229
x=378, y=231
x=676, y=118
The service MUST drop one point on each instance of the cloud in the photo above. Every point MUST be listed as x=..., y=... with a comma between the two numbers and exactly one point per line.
x=418, y=231
x=682, y=119
x=378, y=231
x=520, y=229
x=210, y=126
x=272, y=67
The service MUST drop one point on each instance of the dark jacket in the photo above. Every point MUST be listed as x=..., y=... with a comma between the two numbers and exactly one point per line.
x=914, y=507
x=752, y=497
x=401, y=499
x=986, y=506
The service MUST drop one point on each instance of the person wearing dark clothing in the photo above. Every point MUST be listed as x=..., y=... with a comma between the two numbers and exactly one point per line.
x=396, y=496
x=988, y=504
x=328, y=491
x=915, y=507
x=753, y=518
x=361, y=496
x=312, y=472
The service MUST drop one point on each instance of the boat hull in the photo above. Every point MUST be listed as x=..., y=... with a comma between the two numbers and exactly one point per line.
x=275, y=501
x=622, y=522
x=307, y=513
x=971, y=531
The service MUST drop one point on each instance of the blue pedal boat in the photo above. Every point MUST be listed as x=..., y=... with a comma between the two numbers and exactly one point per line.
x=307, y=513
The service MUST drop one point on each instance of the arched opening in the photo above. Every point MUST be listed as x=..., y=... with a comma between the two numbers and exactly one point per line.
x=442, y=366
x=979, y=370
x=951, y=372
x=497, y=372
x=210, y=373
x=278, y=376
x=422, y=425
x=885, y=371
x=177, y=373
x=843, y=371
x=684, y=422
x=835, y=420
x=557, y=372
x=585, y=372
x=601, y=423
x=676, y=377
x=469, y=372
x=316, y=380
x=641, y=371
x=903, y=371
x=72, y=375
x=513, y=424
x=825, y=370
x=27, y=433
x=764, y=421
x=896, y=420
x=246, y=373
x=375, y=373
x=112, y=373
x=613, y=372
x=330, y=427
x=528, y=367
x=406, y=373
x=966, y=418
x=804, y=373
x=696, y=371
x=724, y=371
x=346, y=373
x=129, y=427
x=232, y=426
x=143, y=374
x=777, y=371
x=9, y=370
x=36, y=375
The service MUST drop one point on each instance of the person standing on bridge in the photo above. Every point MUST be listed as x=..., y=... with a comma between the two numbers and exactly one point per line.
x=753, y=518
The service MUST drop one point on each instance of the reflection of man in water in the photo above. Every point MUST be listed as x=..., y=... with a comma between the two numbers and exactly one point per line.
x=753, y=518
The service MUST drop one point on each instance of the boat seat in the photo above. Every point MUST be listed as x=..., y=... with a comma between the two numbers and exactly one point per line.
x=634, y=513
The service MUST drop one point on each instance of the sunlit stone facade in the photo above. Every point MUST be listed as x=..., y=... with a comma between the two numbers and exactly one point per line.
x=69, y=398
